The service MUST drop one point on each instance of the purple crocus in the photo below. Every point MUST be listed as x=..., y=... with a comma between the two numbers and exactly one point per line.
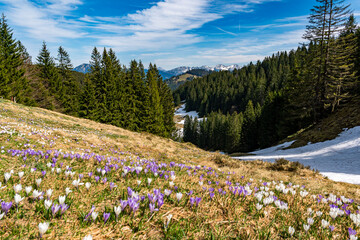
x=152, y=208
x=43, y=173
x=212, y=195
x=81, y=176
x=89, y=214
x=97, y=178
x=197, y=200
x=123, y=204
x=331, y=228
x=192, y=201
x=106, y=216
x=112, y=185
x=104, y=180
x=351, y=232
x=5, y=206
x=63, y=208
x=54, y=209
x=90, y=174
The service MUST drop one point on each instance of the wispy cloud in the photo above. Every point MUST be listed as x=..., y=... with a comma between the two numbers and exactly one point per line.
x=43, y=22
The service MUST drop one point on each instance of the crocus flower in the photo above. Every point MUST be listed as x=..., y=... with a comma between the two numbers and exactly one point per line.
x=28, y=190
x=77, y=183
x=54, y=209
x=106, y=216
x=87, y=185
x=112, y=185
x=63, y=208
x=117, y=211
x=351, y=232
x=5, y=206
x=94, y=215
x=192, y=201
x=17, y=188
x=47, y=204
x=152, y=207
x=68, y=191
x=17, y=199
x=88, y=237
x=36, y=194
x=21, y=174
x=62, y=199
x=7, y=176
x=43, y=227
x=291, y=231
x=179, y=196
x=149, y=180
x=197, y=200
x=167, y=192
x=168, y=220
x=49, y=193
x=38, y=181
x=306, y=227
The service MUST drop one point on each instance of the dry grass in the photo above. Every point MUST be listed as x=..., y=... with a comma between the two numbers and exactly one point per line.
x=223, y=217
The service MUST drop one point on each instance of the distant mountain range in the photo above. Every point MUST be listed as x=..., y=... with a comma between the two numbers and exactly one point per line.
x=166, y=74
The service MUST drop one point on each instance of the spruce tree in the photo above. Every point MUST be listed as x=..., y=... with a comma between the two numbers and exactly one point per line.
x=49, y=73
x=12, y=80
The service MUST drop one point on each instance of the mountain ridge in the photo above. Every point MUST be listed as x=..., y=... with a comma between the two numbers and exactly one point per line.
x=166, y=74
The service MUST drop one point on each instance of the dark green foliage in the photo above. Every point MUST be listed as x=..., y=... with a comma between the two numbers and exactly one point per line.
x=12, y=81
x=282, y=94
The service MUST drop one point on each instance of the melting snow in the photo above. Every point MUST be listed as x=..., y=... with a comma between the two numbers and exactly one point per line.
x=338, y=159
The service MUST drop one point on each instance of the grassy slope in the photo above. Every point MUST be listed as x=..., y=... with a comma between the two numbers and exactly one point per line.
x=347, y=116
x=223, y=217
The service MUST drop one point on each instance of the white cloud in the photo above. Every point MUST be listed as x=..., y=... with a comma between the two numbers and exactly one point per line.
x=43, y=22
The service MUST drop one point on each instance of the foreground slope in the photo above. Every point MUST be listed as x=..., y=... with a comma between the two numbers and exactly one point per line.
x=108, y=182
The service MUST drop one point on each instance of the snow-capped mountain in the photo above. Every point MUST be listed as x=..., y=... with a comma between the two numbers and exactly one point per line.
x=166, y=74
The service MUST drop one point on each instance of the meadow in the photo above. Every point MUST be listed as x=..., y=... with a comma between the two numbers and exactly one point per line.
x=69, y=178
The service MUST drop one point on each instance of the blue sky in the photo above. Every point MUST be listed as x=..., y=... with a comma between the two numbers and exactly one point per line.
x=170, y=33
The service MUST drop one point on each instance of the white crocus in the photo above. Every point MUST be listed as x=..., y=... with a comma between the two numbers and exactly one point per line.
x=306, y=227
x=173, y=177
x=77, y=183
x=310, y=221
x=258, y=206
x=47, y=204
x=324, y=223
x=68, y=191
x=21, y=174
x=7, y=176
x=38, y=181
x=138, y=182
x=149, y=180
x=117, y=211
x=2, y=215
x=87, y=185
x=17, y=188
x=291, y=231
x=36, y=193
x=62, y=199
x=88, y=237
x=171, y=184
x=43, y=227
x=167, y=192
x=179, y=196
x=49, y=193
x=18, y=199
x=28, y=189
x=94, y=215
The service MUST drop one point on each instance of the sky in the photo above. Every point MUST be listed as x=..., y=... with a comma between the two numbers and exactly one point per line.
x=169, y=33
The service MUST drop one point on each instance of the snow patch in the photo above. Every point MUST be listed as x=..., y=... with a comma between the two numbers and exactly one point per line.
x=338, y=159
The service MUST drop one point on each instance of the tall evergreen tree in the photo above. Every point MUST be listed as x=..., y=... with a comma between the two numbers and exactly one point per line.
x=49, y=73
x=12, y=80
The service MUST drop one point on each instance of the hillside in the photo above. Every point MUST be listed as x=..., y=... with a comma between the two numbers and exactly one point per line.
x=176, y=81
x=108, y=182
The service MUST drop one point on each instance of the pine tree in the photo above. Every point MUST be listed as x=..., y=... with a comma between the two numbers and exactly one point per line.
x=69, y=93
x=156, y=114
x=49, y=73
x=325, y=22
x=12, y=80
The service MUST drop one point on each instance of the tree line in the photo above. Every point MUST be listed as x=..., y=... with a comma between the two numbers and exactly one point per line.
x=111, y=93
x=260, y=104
